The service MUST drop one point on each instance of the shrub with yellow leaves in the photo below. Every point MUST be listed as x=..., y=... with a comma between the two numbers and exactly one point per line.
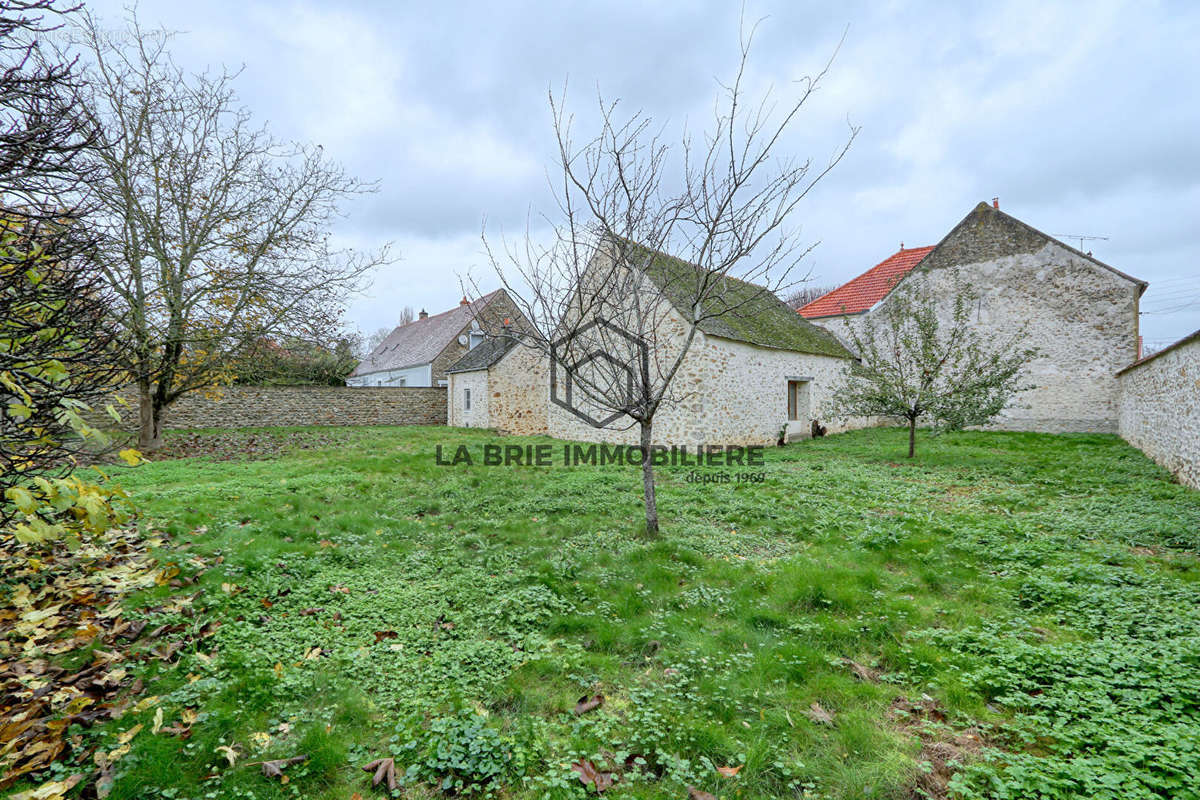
x=56, y=351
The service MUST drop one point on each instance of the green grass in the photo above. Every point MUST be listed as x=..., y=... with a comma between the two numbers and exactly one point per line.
x=1043, y=590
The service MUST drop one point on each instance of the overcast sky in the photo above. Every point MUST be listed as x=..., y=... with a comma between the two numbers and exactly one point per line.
x=1083, y=118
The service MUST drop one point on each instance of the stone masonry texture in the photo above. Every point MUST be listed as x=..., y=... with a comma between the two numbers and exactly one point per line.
x=1160, y=408
x=1080, y=315
x=268, y=406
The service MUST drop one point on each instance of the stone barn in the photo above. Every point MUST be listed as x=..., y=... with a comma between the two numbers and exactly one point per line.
x=1082, y=314
x=746, y=378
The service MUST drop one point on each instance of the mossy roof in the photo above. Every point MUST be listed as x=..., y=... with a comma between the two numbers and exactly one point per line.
x=738, y=310
x=484, y=354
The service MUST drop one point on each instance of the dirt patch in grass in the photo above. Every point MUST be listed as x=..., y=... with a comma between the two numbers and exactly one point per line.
x=233, y=445
x=943, y=748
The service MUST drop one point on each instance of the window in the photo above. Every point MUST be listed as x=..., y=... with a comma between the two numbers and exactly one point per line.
x=476, y=339
x=797, y=400
x=466, y=399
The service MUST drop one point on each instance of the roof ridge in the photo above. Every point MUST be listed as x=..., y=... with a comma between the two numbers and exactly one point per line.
x=861, y=292
x=1060, y=243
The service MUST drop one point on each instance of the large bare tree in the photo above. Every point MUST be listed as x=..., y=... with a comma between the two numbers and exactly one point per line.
x=614, y=314
x=216, y=234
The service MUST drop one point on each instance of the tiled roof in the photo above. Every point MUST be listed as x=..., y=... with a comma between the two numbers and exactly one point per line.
x=866, y=290
x=419, y=342
x=484, y=354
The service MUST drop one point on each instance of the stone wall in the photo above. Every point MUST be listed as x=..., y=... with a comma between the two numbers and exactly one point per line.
x=475, y=382
x=727, y=393
x=519, y=393
x=1160, y=408
x=270, y=406
x=1081, y=317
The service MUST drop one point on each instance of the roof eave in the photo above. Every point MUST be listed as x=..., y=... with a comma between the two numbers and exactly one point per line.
x=1185, y=340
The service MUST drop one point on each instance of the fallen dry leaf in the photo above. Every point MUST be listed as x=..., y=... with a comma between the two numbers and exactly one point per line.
x=54, y=790
x=698, y=794
x=862, y=672
x=230, y=753
x=586, y=704
x=817, y=713
x=385, y=770
x=274, y=769
x=588, y=774
x=729, y=772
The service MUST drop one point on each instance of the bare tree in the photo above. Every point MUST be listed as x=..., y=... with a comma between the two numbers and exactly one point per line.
x=613, y=313
x=803, y=295
x=215, y=233
x=407, y=315
x=372, y=341
x=922, y=358
x=44, y=133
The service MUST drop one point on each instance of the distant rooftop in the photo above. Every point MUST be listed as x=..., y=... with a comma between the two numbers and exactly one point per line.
x=419, y=342
x=862, y=293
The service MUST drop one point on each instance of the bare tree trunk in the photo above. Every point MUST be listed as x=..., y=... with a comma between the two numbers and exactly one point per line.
x=149, y=421
x=648, y=482
x=912, y=436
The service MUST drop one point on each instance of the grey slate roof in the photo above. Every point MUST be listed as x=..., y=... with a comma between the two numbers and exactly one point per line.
x=484, y=354
x=420, y=341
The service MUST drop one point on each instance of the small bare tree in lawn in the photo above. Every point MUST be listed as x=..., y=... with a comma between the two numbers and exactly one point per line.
x=922, y=358
x=214, y=235
x=614, y=314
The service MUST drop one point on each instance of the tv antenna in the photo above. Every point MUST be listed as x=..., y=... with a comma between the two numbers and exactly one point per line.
x=1081, y=238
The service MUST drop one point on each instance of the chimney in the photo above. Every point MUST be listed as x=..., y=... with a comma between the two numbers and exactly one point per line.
x=423, y=314
x=995, y=202
x=463, y=302
x=902, y=245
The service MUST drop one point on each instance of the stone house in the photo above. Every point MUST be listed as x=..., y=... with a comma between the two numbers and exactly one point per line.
x=1081, y=314
x=746, y=378
x=418, y=354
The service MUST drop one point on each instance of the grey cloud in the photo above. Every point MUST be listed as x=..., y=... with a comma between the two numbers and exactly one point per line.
x=1082, y=122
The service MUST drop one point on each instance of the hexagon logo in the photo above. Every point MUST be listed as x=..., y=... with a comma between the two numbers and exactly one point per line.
x=624, y=394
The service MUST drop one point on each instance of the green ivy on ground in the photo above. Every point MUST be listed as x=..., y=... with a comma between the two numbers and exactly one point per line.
x=844, y=629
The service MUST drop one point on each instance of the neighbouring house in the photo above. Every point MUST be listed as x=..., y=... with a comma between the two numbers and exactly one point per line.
x=746, y=378
x=1082, y=314
x=418, y=354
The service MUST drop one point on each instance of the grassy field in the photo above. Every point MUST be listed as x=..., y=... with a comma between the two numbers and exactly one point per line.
x=855, y=625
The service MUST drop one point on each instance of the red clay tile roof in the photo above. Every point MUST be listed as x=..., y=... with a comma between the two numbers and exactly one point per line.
x=866, y=290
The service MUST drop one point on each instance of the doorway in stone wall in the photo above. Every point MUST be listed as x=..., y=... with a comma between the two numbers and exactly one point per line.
x=799, y=411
